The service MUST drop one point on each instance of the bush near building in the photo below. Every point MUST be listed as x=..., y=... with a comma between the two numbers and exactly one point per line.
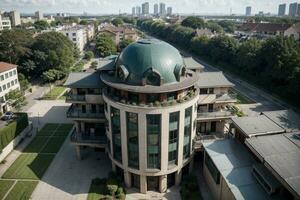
x=189, y=189
x=13, y=129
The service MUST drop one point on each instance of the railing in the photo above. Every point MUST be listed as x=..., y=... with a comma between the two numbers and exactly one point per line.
x=75, y=97
x=200, y=138
x=76, y=113
x=82, y=138
x=226, y=97
x=215, y=114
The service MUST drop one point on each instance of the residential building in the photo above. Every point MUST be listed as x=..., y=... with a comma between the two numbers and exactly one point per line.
x=155, y=9
x=39, y=15
x=138, y=10
x=77, y=34
x=298, y=10
x=145, y=8
x=293, y=9
x=25, y=20
x=169, y=11
x=146, y=107
x=281, y=9
x=248, y=11
x=265, y=30
x=8, y=82
x=133, y=11
x=4, y=23
x=15, y=18
x=120, y=33
x=162, y=9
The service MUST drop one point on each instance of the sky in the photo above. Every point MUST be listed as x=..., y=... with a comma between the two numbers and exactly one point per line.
x=116, y=6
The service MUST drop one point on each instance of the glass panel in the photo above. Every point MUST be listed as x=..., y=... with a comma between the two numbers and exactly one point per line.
x=116, y=134
x=173, y=137
x=153, y=141
x=132, y=140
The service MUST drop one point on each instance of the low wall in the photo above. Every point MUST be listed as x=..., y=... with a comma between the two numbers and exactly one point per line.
x=10, y=147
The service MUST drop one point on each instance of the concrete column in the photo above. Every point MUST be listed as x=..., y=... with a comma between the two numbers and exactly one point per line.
x=77, y=126
x=143, y=184
x=78, y=152
x=123, y=127
x=178, y=176
x=142, y=142
x=180, y=137
x=164, y=141
x=127, y=179
x=163, y=183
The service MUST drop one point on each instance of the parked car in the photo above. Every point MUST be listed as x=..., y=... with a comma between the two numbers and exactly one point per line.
x=7, y=116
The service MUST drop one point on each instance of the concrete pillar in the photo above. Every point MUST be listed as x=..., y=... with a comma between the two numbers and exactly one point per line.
x=143, y=184
x=180, y=137
x=163, y=183
x=77, y=126
x=178, y=176
x=164, y=141
x=78, y=152
x=127, y=179
x=142, y=142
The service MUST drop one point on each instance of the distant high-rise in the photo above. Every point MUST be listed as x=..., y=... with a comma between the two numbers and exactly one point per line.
x=169, y=11
x=145, y=8
x=298, y=10
x=281, y=9
x=155, y=9
x=133, y=11
x=293, y=9
x=15, y=18
x=162, y=9
x=39, y=15
x=248, y=11
x=138, y=10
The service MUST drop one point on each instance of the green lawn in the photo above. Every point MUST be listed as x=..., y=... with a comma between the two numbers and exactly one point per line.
x=36, y=145
x=29, y=166
x=96, y=191
x=241, y=99
x=54, y=93
x=22, y=190
x=53, y=145
x=4, y=187
x=50, y=127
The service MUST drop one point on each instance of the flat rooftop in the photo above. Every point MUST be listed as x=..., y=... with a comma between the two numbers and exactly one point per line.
x=258, y=125
x=281, y=155
x=192, y=64
x=213, y=79
x=287, y=119
x=84, y=80
x=235, y=164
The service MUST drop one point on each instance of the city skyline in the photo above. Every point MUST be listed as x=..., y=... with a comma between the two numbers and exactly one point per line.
x=115, y=6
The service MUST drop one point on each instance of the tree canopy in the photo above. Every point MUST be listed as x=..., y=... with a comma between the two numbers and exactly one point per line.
x=124, y=43
x=41, y=25
x=193, y=22
x=105, y=45
x=117, y=21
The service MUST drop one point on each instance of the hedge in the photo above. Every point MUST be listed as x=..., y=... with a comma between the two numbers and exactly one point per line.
x=13, y=129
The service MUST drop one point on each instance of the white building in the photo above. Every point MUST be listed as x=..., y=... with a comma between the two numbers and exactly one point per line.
x=39, y=15
x=4, y=23
x=8, y=82
x=77, y=35
x=155, y=12
x=169, y=11
x=15, y=18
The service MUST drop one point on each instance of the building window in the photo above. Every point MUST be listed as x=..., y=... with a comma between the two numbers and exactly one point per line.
x=0, y=89
x=132, y=140
x=8, y=85
x=116, y=134
x=12, y=83
x=173, y=137
x=16, y=81
x=4, y=87
x=6, y=75
x=187, y=132
x=2, y=77
x=15, y=72
x=74, y=34
x=153, y=141
x=212, y=169
x=74, y=39
x=10, y=73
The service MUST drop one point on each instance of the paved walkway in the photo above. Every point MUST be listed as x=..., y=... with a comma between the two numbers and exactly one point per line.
x=171, y=194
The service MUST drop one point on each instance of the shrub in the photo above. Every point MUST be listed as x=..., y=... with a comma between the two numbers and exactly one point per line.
x=112, y=186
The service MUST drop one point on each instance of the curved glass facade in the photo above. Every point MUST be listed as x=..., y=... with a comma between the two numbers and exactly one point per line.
x=132, y=140
x=173, y=137
x=116, y=134
x=187, y=132
x=153, y=141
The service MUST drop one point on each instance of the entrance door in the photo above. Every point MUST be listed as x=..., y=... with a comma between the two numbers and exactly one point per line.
x=213, y=127
x=152, y=183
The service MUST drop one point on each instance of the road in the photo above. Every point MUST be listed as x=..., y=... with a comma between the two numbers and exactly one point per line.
x=33, y=97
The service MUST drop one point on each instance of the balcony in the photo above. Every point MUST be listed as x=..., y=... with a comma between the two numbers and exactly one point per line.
x=226, y=98
x=77, y=113
x=214, y=114
x=93, y=98
x=201, y=137
x=88, y=140
x=70, y=98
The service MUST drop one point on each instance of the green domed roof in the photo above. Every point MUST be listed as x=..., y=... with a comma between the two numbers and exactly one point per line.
x=150, y=55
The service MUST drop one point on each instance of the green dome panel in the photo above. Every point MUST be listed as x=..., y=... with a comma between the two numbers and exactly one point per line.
x=147, y=54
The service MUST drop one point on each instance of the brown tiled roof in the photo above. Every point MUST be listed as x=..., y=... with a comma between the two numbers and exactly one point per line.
x=264, y=27
x=6, y=66
x=115, y=30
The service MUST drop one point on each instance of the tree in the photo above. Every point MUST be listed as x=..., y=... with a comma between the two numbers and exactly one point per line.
x=52, y=75
x=199, y=45
x=105, y=45
x=83, y=22
x=193, y=22
x=228, y=26
x=88, y=55
x=24, y=84
x=117, y=21
x=94, y=65
x=14, y=44
x=16, y=100
x=214, y=27
x=124, y=43
x=41, y=25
